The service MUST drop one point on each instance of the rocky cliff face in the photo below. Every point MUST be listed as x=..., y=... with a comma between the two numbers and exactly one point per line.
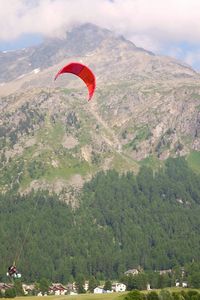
x=51, y=137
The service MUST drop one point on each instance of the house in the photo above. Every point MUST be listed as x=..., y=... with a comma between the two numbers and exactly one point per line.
x=148, y=287
x=163, y=272
x=118, y=287
x=86, y=285
x=28, y=288
x=71, y=288
x=132, y=272
x=99, y=290
x=57, y=289
x=184, y=284
x=5, y=286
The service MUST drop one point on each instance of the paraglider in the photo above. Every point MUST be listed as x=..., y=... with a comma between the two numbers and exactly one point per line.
x=83, y=72
x=12, y=272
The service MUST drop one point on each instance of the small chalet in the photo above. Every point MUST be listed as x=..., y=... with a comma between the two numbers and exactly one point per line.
x=163, y=272
x=132, y=272
x=57, y=289
x=28, y=288
x=5, y=286
x=71, y=288
x=86, y=285
x=118, y=287
x=184, y=284
x=99, y=290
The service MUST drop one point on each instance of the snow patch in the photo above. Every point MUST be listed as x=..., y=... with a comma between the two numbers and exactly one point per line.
x=90, y=54
x=21, y=76
x=36, y=70
x=179, y=200
x=6, y=51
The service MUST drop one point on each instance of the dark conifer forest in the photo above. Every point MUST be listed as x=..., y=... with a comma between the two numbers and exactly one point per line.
x=123, y=221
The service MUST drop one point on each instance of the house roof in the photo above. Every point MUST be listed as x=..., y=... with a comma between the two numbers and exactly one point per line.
x=57, y=287
x=5, y=286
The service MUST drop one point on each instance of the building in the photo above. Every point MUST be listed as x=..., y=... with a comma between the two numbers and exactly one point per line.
x=148, y=287
x=57, y=289
x=28, y=288
x=184, y=284
x=118, y=287
x=86, y=285
x=5, y=286
x=163, y=272
x=99, y=290
x=132, y=272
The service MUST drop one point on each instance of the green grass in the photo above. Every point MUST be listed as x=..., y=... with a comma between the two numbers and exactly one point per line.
x=152, y=162
x=122, y=163
x=68, y=169
x=67, y=166
x=68, y=91
x=51, y=134
x=195, y=96
x=194, y=161
x=143, y=133
x=198, y=107
x=111, y=296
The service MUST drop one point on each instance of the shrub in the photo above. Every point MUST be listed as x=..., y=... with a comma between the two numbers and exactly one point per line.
x=10, y=293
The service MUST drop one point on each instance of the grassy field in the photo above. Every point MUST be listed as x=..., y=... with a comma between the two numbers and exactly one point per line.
x=194, y=161
x=112, y=296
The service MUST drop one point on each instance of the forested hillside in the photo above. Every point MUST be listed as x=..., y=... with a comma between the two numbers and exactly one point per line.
x=122, y=221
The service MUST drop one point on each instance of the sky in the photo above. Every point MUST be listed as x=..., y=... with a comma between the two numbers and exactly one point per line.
x=165, y=27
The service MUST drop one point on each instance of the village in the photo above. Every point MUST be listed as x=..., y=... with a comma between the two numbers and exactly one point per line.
x=59, y=289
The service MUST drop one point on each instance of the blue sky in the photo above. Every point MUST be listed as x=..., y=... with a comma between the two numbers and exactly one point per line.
x=23, y=41
x=169, y=27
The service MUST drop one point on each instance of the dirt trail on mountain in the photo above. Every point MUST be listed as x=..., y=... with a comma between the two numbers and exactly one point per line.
x=113, y=141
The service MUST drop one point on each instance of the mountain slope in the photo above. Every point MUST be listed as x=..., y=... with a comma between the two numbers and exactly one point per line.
x=50, y=137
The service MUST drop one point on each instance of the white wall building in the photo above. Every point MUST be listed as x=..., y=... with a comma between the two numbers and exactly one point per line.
x=184, y=284
x=98, y=290
x=86, y=286
x=119, y=287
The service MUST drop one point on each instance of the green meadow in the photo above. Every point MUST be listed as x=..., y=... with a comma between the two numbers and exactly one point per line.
x=111, y=296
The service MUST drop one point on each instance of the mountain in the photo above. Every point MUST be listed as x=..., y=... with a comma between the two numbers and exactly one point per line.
x=145, y=109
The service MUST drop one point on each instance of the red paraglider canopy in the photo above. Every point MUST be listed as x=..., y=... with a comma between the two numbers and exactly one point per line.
x=83, y=72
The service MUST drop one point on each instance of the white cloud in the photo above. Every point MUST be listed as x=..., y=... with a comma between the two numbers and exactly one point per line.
x=155, y=19
x=149, y=23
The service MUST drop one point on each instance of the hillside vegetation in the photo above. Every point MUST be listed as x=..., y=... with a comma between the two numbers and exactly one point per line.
x=122, y=221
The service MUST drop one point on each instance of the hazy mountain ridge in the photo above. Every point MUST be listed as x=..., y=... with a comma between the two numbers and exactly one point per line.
x=87, y=40
x=145, y=105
